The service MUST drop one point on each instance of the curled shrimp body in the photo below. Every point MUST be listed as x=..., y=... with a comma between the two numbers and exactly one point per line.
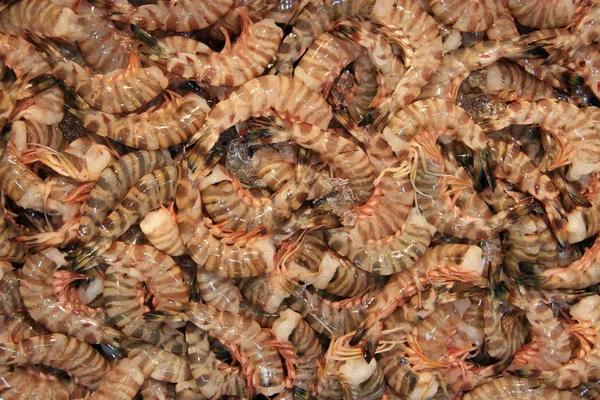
x=44, y=306
x=258, y=350
x=116, y=92
x=273, y=168
x=323, y=62
x=514, y=388
x=10, y=298
x=503, y=28
x=183, y=16
x=560, y=118
x=114, y=183
x=41, y=17
x=161, y=229
x=235, y=65
x=458, y=64
x=159, y=364
x=149, y=193
x=554, y=14
x=28, y=132
x=439, y=264
x=473, y=16
x=219, y=292
x=354, y=166
x=213, y=377
x=172, y=123
x=84, y=364
x=288, y=97
x=122, y=382
x=242, y=259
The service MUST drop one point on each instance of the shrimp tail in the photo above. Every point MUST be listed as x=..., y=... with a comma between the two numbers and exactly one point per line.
x=313, y=219
x=568, y=194
x=547, y=376
x=95, y=247
x=558, y=226
x=505, y=218
x=162, y=315
x=268, y=131
x=372, y=337
x=483, y=174
x=300, y=394
x=568, y=79
x=158, y=50
x=75, y=103
x=51, y=52
x=350, y=125
x=37, y=85
x=115, y=7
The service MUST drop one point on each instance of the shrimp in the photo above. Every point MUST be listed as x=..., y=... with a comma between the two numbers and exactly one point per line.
x=257, y=350
x=185, y=16
x=213, y=377
x=470, y=17
x=41, y=17
x=354, y=166
x=153, y=389
x=291, y=328
x=578, y=275
x=242, y=259
x=503, y=28
x=28, y=382
x=219, y=292
x=579, y=369
x=549, y=336
x=388, y=66
x=273, y=167
x=85, y=365
x=159, y=364
x=419, y=29
x=83, y=160
x=323, y=62
x=29, y=132
x=161, y=229
x=554, y=14
x=20, y=95
x=563, y=120
x=313, y=20
x=149, y=192
x=458, y=64
x=10, y=249
x=510, y=387
x=515, y=167
x=117, y=92
x=114, y=183
x=235, y=65
x=178, y=119
x=332, y=318
x=44, y=306
x=122, y=382
x=267, y=292
x=443, y=263
x=287, y=97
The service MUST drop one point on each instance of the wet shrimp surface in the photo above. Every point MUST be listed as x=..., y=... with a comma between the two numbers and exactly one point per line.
x=286, y=199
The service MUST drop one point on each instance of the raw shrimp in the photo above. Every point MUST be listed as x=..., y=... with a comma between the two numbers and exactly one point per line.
x=346, y=159
x=443, y=263
x=332, y=318
x=152, y=190
x=313, y=20
x=513, y=388
x=159, y=364
x=17, y=98
x=27, y=132
x=41, y=17
x=10, y=248
x=578, y=369
x=83, y=160
x=503, y=28
x=273, y=167
x=84, y=364
x=458, y=64
x=554, y=14
x=268, y=291
x=324, y=61
x=182, y=44
x=406, y=19
x=122, y=382
x=287, y=97
x=214, y=378
x=235, y=65
x=219, y=292
x=291, y=328
x=114, y=183
x=473, y=16
x=258, y=351
x=550, y=345
x=178, y=119
x=388, y=65
x=161, y=229
x=29, y=383
x=44, y=306
x=117, y=92
x=242, y=259
x=564, y=120
x=183, y=16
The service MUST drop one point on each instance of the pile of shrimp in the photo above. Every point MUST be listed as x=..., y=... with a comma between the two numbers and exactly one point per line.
x=300, y=199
